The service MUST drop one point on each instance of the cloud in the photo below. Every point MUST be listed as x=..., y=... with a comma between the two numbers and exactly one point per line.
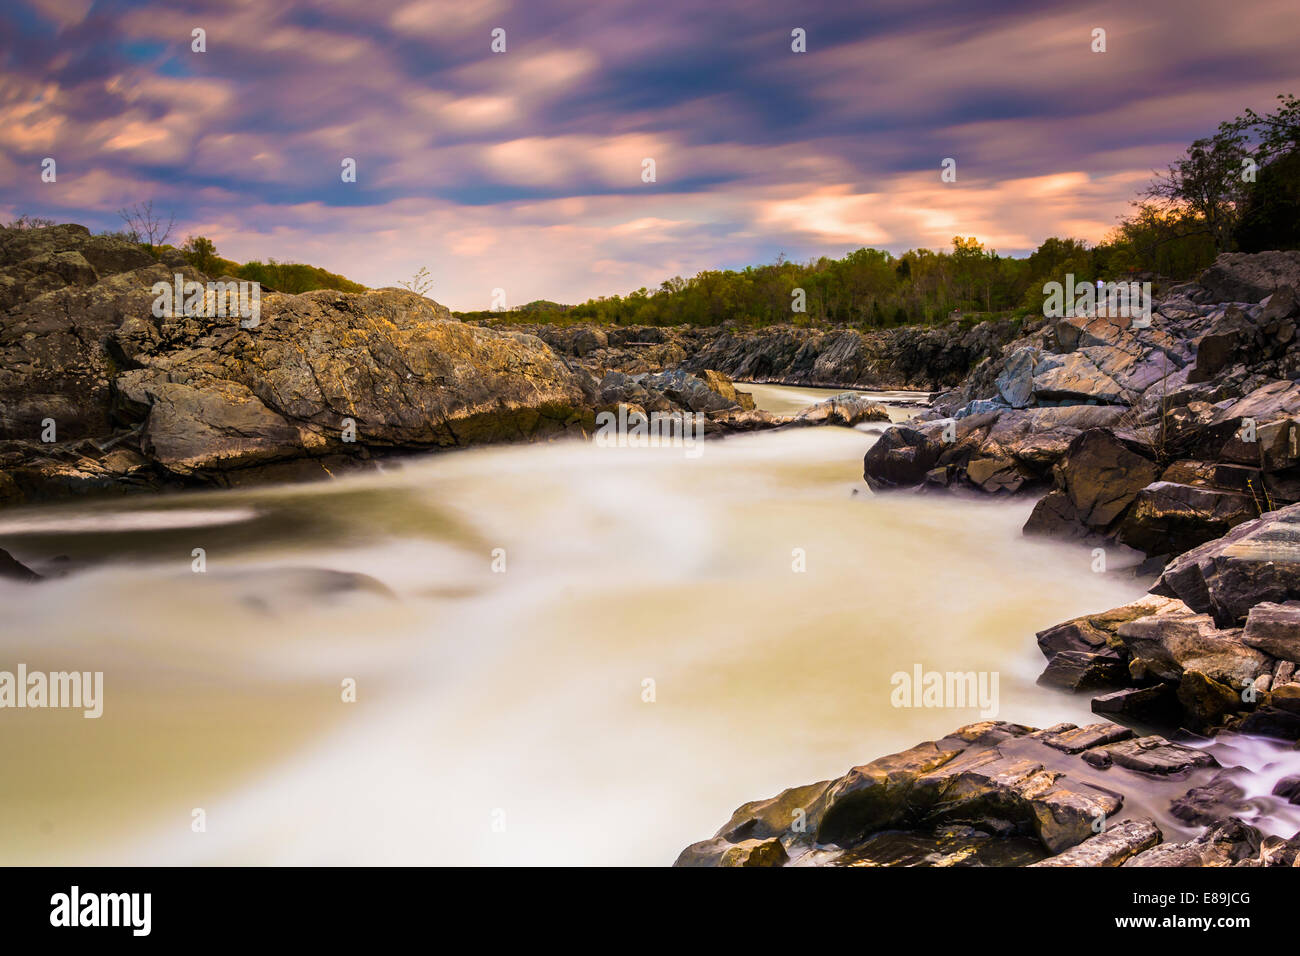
x=523, y=169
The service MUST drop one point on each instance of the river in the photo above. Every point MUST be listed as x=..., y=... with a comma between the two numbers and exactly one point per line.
x=516, y=606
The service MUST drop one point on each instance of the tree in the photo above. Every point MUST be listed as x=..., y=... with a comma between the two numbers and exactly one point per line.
x=1277, y=133
x=144, y=226
x=1208, y=181
x=201, y=253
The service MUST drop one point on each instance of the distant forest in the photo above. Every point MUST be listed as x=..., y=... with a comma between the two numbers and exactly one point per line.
x=1236, y=190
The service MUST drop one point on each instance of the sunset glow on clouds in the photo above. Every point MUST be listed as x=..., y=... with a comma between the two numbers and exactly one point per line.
x=522, y=170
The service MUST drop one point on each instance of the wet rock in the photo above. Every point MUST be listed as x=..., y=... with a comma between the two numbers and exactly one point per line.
x=1288, y=788
x=1110, y=848
x=1073, y=740
x=989, y=794
x=15, y=570
x=1155, y=705
x=1083, y=670
x=847, y=410
x=1213, y=803
x=1206, y=701
x=900, y=458
x=1152, y=754
x=1227, y=844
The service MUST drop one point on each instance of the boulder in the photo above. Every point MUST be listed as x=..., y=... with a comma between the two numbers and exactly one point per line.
x=1274, y=629
x=1256, y=562
x=1243, y=277
x=1169, y=518
x=900, y=458
x=847, y=409
x=1179, y=639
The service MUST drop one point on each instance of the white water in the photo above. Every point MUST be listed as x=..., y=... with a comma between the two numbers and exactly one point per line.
x=517, y=692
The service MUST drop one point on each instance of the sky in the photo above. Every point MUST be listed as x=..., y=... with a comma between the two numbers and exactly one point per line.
x=524, y=170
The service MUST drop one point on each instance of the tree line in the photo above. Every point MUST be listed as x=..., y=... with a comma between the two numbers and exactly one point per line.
x=1236, y=190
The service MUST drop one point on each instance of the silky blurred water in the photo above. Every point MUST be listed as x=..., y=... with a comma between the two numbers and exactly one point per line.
x=499, y=715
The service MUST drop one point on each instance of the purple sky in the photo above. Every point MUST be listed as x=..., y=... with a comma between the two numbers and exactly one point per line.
x=522, y=170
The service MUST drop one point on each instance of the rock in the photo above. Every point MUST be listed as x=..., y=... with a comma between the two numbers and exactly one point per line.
x=1016, y=383
x=1289, y=788
x=1242, y=277
x=719, y=383
x=900, y=458
x=989, y=794
x=1156, y=705
x=1274, y=629
x=691, y=392
x=15, y=570
x=755, y=853
x=391, y=361
x=1081, y=670
x=1101, y=476
x=1220, y=347
x=1213, y=803
x=847, y=409
x=1152, y=754
x=995, y=474
x=1073, y=740
x=1255, y=562
x=1169, y=518
x=1078, y=379
x=1178, y=639
x=1227, y=844
x=1206, y=701
x=1109, y=848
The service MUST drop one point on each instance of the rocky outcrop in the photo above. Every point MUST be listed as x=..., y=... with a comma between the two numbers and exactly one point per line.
x=912, y=357
x=1203, y=424
x=98, y=394
x=993, y=794
x=1214, y=646
x=1249, y=277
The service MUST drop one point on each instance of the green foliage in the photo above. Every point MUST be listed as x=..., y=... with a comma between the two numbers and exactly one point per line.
x=867, y=289
x=1270, y=217
x=290, y=277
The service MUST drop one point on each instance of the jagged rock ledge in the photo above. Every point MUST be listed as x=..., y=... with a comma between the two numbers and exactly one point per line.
x=1000, y=794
